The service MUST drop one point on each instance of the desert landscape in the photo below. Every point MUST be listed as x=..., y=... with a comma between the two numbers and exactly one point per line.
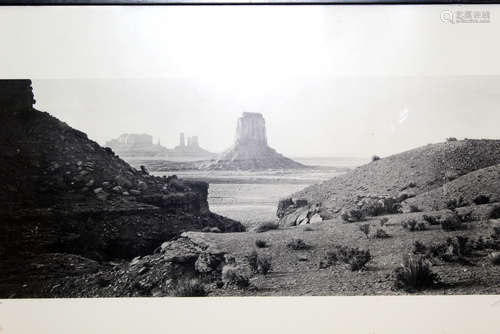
x=79, y=221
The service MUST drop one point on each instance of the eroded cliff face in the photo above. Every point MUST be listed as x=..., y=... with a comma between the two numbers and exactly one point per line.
x=250, y=150
x=61, y=192
x=251, y=129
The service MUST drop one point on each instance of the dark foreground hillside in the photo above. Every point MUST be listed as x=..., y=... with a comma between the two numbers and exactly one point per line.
x=63, y=193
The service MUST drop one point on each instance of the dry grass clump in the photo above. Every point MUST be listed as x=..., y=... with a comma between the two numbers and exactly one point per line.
x=259, y=264
x=381, y=234
x=354, y=257
x=264, y=227
x=189, y=288
x=415, y=274
x=297, y=244
x=232, y=275
x=365, y=228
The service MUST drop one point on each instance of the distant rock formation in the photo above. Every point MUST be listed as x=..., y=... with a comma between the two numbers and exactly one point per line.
x=250, y=150
x=136, y=145
x=191, y=151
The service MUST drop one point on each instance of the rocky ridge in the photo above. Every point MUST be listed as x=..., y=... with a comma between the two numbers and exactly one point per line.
x=405, y=178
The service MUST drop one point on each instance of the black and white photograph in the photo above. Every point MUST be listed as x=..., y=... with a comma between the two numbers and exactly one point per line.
x=249, y=151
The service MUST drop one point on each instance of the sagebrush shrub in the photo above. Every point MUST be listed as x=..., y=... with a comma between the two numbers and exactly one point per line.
x=419, y=247
x=232, y=276
x=415, y=274
x=383, y=221
x=414, y=208
x=189, y=288
x=261, y=243
x=354, y=257
x=432, y=220
x=452, y=223
x=456, y=203
x=263, y=265
x=259, y=264
x=365, y=228
x=481, y=199
x=381, y=234
x=297, y=244
x=421, y=226
x=409, y=224
x=357, y=214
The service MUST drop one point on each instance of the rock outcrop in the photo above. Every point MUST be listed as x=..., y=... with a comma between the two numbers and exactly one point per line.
x=61, y=192
x=250, y=150
x=156, y=274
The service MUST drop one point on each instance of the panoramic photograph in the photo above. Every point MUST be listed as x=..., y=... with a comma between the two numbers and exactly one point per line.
x=246, y=170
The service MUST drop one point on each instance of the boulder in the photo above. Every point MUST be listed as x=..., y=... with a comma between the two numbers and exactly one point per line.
x=315, y=219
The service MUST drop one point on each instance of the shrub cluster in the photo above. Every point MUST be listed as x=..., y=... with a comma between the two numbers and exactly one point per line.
x=432, y=220
x=353, y=215
x=297, y=244
x=454, y=249
x=453, y=223
x=354, y=257
x=412, y=225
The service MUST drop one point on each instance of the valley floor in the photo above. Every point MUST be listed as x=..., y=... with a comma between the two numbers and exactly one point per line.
x=297, y=272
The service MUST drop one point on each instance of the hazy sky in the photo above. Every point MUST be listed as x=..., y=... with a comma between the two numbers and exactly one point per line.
x=344, y=80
